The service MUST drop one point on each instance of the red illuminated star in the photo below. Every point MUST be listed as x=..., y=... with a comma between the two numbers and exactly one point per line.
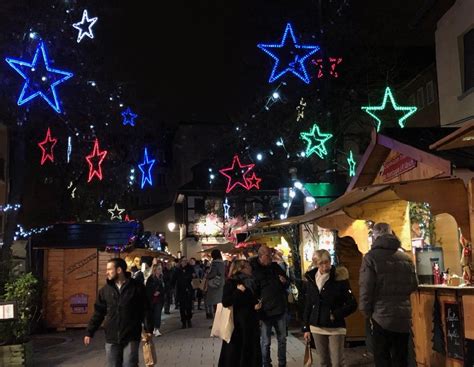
x=95, y=159
x=253, y=181
x=240, y=172
x=46, y=147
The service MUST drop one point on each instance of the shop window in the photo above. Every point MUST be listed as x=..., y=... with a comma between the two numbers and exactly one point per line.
x=420, y=98
x=469, y=60
x=430, y=93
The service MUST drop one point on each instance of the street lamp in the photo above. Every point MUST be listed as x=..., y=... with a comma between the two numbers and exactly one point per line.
x=171, y=226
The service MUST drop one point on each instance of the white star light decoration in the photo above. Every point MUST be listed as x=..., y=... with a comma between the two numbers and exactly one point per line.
x=115, y=212
x=85, y=30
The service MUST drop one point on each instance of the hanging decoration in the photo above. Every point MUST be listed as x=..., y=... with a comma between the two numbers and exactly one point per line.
x=40, y=79
x=300, y=110
x=333, y=62
x=69, y=149
x=145, y=168
x=115, y=212
x=95, y=160
x=352, y=164
x=129, y=117
x=226, y=209
x=85, y=26
x=47, y=146
x=253, y=181
x=237, y=175
x=372, y=111
x=127, y=218
x=298, y=54
x=316, y=141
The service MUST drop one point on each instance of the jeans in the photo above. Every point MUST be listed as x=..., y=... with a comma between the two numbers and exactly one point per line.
x=390, y=348
x=157, y=308
x=330, y=350
x=168, y=300
x=279, y=323
x=122, y=355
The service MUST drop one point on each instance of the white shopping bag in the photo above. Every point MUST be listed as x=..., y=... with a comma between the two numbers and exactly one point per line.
x=223, y=324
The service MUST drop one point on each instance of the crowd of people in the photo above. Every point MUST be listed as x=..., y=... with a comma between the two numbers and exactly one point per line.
x=257, y=289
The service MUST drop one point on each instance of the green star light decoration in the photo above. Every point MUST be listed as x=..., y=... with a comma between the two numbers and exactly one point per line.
x=352, y=164
x=409, y=110
x=315, y=143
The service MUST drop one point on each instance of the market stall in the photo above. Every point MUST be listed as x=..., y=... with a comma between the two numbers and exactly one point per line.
x=430, y=208
x=74, y=259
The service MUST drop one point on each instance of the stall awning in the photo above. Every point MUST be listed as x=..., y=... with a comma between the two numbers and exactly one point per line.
x=86, y=235
x=461, y=138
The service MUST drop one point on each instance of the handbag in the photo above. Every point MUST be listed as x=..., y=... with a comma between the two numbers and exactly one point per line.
x=223, y=325
x=196, y=283
x=308, y=356
x=215, y=282
x=149, y=353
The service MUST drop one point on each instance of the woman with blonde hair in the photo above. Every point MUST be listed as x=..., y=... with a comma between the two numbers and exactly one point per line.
x=329, y=300
x=243, y=350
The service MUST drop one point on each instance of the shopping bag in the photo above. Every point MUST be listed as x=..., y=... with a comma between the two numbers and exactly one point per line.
x=308, y=356
x=223, y=325
x=149, y=353
x=196, y=283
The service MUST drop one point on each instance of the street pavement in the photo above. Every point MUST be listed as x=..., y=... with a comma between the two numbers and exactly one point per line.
x=176, y=348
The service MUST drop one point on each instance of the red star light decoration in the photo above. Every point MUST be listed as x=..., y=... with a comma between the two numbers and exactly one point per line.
x=333, y=62
x=47, y=146
x=95, y=160
x=240, y=172
x=253, y=181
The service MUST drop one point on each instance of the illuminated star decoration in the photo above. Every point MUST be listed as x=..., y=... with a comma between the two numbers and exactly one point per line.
x=83, y=28
x=47, y=146
x=409, y=110
x=333, y=61
x=226, y=209
x=127, y=218
x=253, y=181
x=129, y=117
x=311, y=139
x=146, y=167
x=299, y=54
x=352, y=164
x=95, y=160
x=40, y=79
x=115, y=212
x=241, y=171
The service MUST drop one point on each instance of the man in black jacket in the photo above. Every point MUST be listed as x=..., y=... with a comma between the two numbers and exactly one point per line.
x=387, y=278
x=123, y=304
x=271, y=283
x=184, y=291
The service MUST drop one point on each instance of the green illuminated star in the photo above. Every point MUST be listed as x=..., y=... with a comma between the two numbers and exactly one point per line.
x=311, y=139
x=409, y=110
x=352, y=164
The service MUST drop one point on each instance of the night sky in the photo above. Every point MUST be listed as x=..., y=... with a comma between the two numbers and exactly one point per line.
x=198, y=60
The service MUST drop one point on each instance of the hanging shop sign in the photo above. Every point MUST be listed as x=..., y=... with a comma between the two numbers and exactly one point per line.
x=79, y=303
x=398, y=165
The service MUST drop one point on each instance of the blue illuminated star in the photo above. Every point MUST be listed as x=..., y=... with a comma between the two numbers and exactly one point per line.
x=298, y=53
x=146, y=167
x=129, y=117
x=85, y=30
x=40, y=79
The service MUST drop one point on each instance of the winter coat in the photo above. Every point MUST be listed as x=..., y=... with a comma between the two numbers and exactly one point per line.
x=244, y=347
x=335, y=298
x=270, y=288
x=387, y=278
x=124, y=312
x=153, y=285
x=167, y=279
x=184, y=277
x=214, y=295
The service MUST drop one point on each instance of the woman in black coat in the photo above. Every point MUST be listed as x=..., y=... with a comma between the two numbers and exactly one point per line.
x=329, y=300
x=243, y=350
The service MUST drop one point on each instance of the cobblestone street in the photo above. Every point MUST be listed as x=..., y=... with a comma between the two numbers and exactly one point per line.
x=177, y=347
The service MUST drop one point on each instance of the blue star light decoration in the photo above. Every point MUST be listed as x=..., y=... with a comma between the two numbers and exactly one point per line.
x=226, y=209
x=298, y=54
x=145, y=168
x=316, y=141
x=83, y=28
x=408, y=110
x=40, y=79
x=129, y=117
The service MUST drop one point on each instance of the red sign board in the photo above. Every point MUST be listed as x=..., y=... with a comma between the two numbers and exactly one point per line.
x=398, y=165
